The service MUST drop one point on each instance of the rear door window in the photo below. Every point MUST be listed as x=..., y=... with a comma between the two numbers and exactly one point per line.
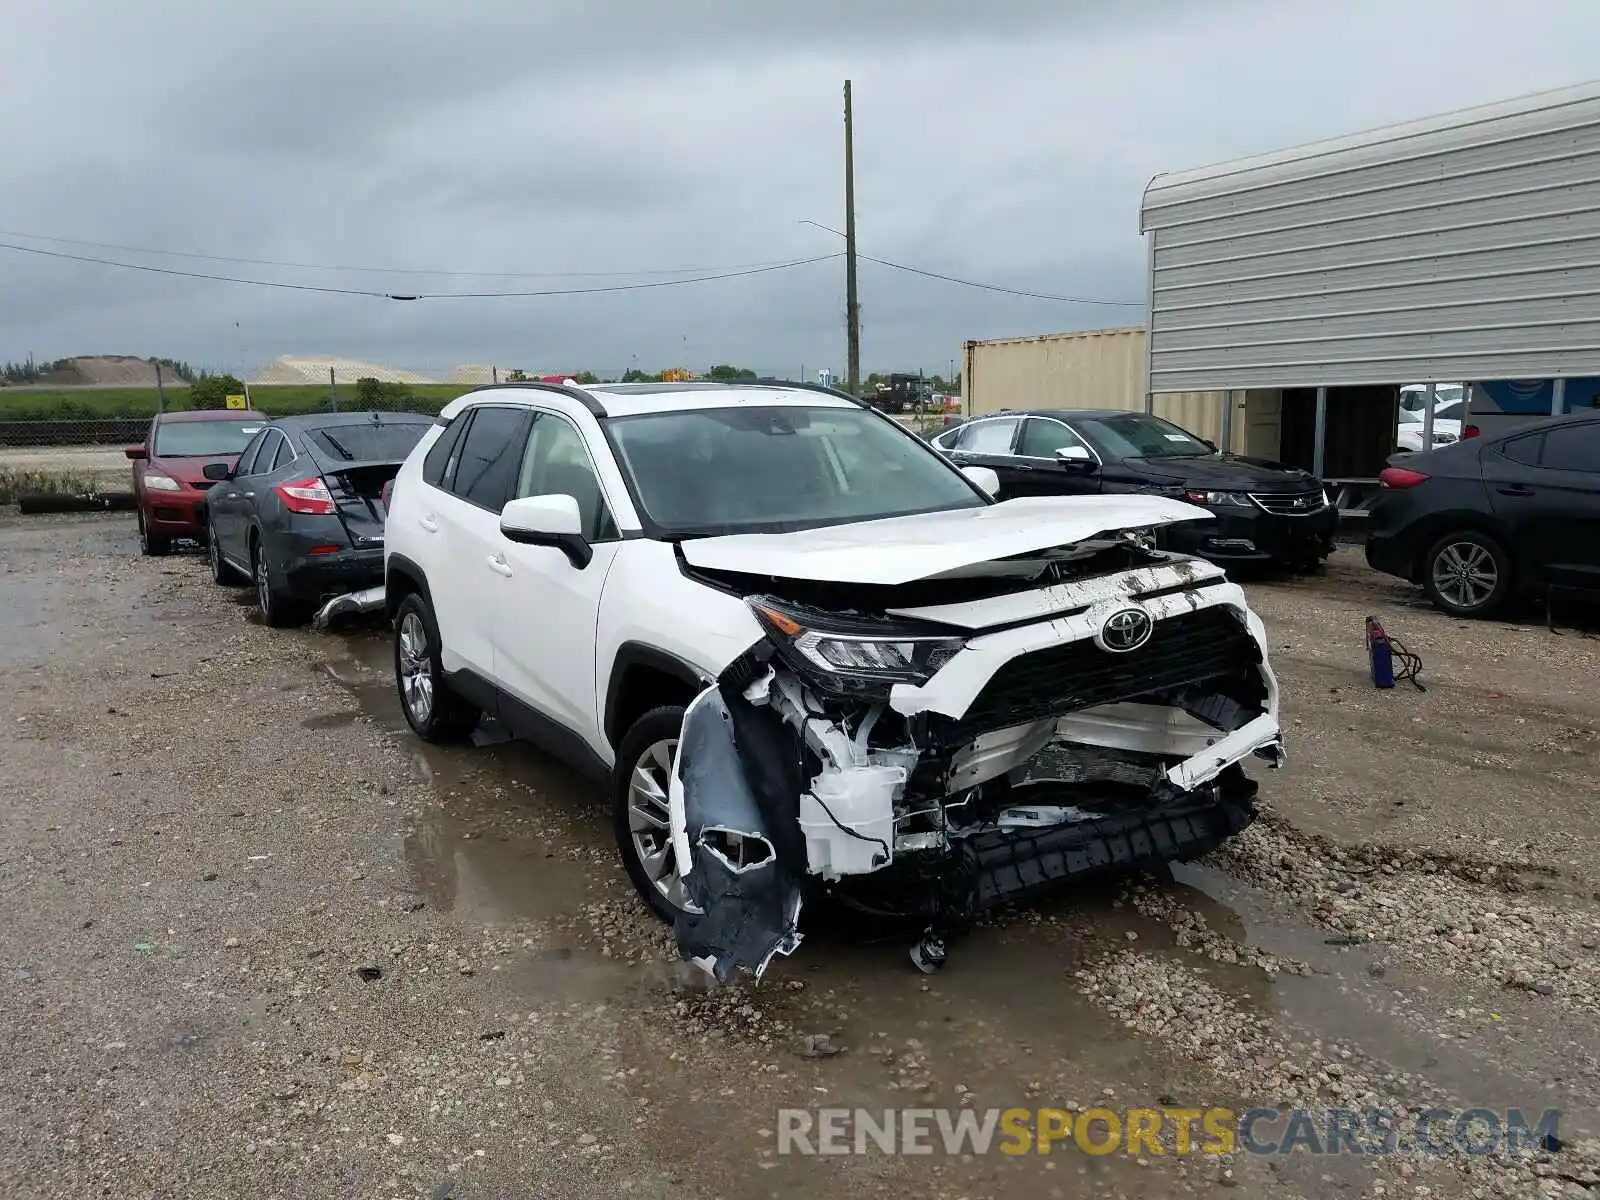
x=1572, y=448
x=491, y=453
x=1524, y=449
x=284, y=456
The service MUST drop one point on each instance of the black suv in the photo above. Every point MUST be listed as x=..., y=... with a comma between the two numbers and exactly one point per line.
x=1264, y=511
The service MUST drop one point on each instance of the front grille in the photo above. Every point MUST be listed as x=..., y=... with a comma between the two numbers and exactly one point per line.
x=1194, y=646
x=202, y=484
x=1290, y=504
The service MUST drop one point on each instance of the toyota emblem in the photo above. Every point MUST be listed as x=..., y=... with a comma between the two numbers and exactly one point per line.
x=1124, y=630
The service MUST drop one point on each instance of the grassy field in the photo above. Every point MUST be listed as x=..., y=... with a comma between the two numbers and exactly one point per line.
x=282, y=400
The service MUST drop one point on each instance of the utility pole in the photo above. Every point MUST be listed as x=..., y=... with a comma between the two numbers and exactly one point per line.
x=851, y=301
x=161, y=392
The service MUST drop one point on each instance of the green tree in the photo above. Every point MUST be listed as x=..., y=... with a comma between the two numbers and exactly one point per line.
x=724, y=373
x=634, y=375
x=586, y=377
x=213, y=391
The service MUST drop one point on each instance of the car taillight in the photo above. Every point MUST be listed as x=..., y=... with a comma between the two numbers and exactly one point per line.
x=385, y=492
x=306, y=496
x=1400, y=477
x=1470, y=431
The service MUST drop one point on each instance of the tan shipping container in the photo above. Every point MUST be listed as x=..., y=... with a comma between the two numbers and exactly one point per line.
x=1101, y=368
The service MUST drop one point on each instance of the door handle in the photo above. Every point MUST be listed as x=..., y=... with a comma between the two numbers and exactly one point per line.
x=1021, y=467
x=429, y=523
x=1515, y=489
x=499, y=565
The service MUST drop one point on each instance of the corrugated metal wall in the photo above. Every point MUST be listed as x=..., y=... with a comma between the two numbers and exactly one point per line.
x=1465, y=246
x=1103, y=368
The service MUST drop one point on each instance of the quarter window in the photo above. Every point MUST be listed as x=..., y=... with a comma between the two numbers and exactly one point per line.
x=988, y=437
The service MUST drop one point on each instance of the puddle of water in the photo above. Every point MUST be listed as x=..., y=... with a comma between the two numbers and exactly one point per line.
x=481, y=874
x=1343, y=1003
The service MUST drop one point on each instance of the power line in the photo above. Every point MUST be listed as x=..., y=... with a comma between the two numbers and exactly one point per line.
x=994, y=287
x=302, y=266
x=338, y=291
x=988, y=287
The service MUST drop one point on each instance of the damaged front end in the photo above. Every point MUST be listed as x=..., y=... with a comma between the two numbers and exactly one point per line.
x=1067, y=714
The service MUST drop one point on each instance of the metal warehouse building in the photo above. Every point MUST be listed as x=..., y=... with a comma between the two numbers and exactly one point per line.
x=1301, y=288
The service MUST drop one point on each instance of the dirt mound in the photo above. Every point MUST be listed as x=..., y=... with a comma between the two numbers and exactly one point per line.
x=108, y=370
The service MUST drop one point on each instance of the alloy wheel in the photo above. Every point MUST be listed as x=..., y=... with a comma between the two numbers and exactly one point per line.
x=263, y=584
x=647, y=820
x=1465, y=574
x=415, y=668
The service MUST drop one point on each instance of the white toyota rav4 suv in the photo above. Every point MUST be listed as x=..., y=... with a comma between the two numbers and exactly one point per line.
x=813, y=659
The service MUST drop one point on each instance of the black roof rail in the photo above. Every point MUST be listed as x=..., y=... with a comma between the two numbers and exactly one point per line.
x=803, y=385
x=588, y=399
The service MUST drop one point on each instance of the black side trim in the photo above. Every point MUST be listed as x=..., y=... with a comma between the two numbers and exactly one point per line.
x=550, y=735
x=587, y=399
x=641, y=654
x=475, y=689
x=399, y=564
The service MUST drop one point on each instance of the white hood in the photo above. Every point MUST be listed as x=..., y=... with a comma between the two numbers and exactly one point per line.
x=903, y=549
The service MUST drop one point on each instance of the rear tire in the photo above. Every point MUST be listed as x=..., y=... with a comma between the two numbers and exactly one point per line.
x=1467, y=574
x=639, y=809
x=152, y=545
x=278, y=609
x=434, y=712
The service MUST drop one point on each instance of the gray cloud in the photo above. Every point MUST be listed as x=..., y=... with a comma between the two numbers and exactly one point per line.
x=1007, y=143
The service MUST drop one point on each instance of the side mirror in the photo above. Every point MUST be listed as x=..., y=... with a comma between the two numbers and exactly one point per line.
x=1209, y=445
x=551, y=520
x=137, y=453
x=217, y=472
x=985, y=478
x=1075, y=458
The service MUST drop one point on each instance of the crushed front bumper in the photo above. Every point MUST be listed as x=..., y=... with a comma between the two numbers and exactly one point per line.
x=932, y=805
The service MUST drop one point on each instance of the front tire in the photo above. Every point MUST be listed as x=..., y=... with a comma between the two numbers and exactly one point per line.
x=1467, y=574
x=152, y=545
x=434, y=712
x=639, y=809
x=221, y=572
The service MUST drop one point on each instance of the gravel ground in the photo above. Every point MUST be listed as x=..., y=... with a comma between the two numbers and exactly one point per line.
x=260, y=942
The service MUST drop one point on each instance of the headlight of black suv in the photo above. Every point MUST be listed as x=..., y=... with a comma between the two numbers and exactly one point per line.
x=852, y=656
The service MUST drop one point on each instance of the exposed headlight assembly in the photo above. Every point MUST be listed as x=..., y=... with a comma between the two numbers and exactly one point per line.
x=854, y=656
x=1219, y=499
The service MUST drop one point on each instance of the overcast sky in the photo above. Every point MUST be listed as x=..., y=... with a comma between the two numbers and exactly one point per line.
x=1004, y=142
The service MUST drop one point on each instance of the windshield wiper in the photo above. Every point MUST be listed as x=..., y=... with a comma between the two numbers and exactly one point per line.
x=338, y=446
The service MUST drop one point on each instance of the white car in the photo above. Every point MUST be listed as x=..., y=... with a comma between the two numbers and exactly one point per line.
x=1446, y=427
x=809, y=656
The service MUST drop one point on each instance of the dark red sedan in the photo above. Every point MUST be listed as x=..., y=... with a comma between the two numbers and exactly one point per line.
x=169, y=484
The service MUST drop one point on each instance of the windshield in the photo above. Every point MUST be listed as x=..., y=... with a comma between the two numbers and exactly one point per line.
x=1135, y=435
x=769, y=469
x=202, y=439
x=367, y=442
